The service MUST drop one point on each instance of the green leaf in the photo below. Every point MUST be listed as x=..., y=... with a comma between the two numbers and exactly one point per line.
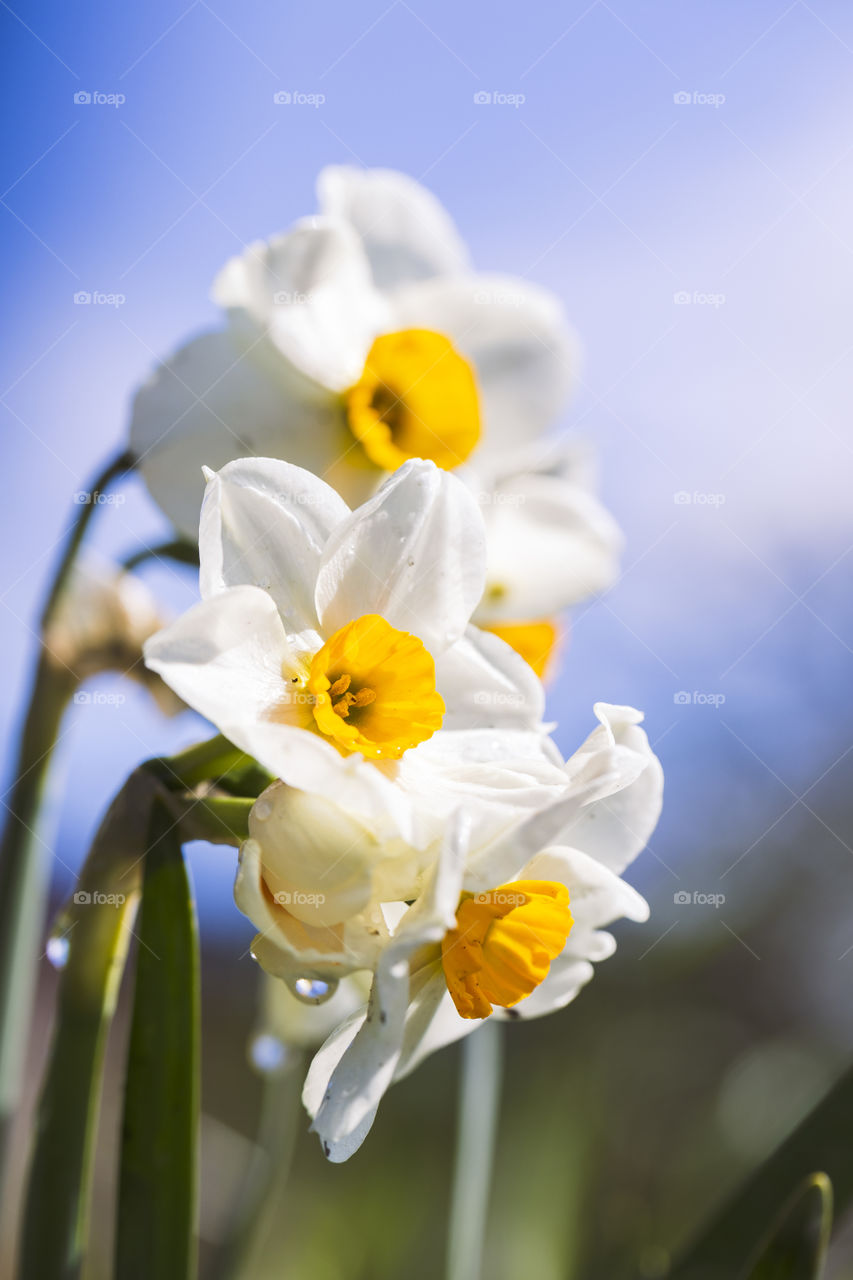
x=178, y=549
x=157, y=1184
x=734, y=1232
x=96, y=927
x=796, y=1248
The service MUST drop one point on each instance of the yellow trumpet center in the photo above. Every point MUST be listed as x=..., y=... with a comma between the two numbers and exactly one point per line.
x=503, y=944
x=416, y=398
x=535, y=641
x=374, y=689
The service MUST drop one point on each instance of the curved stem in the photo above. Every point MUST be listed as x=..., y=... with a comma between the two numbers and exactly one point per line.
x=479, y=1100
x=89, y=500
x=23, y=861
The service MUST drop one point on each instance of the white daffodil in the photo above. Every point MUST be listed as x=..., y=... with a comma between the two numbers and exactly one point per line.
x=506, y=928
x=334, y=647
x=102, y=618
x=361, y=339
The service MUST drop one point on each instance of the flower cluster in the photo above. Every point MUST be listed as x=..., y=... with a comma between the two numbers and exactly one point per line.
x=387, y=537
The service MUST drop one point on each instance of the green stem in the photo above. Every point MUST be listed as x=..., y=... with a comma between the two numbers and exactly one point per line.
x=117, y=467
x=24, y=864
x=479, y=1100
x=96, y=925
x=155, y=1234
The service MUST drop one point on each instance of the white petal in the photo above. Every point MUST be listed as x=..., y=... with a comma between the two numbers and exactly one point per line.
x=311, y=291
x=597, y=896
x=288, y=948
x=407, y=233
x=487, y=685
x=265, y=523
x=215, y=400
x=414, y=553
x=324, y=852
x=515, y=335
x=432, y=1023
x=618, y=823
x=550, y=544
x=226, y=658
x=366, y=1068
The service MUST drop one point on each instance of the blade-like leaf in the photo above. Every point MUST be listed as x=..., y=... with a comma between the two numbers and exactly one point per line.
x=157, y=1186
x=820, y=1141
x=95, y=928
x=796, y=1248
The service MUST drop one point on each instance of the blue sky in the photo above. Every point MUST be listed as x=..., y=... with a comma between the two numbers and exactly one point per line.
x=703, y=249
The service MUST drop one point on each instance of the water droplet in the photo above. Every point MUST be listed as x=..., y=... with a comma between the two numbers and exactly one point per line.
x=313, y=990
x=57, y=950
x=267, y=1054
x=262, y=810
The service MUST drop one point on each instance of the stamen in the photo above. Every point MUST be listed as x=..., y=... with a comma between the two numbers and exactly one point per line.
x=363, y=698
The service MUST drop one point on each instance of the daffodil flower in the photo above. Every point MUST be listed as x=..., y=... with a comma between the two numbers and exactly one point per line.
x=328, y=643
x=507, y=929
x=361, y=339
x=101, y=620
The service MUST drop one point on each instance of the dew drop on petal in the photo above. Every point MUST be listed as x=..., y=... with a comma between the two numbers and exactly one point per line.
x=312, y=990
x=261, y=810
x=56, y=950
x=267, y=1054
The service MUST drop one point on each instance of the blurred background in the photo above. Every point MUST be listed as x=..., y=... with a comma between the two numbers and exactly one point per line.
x=682, y=176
